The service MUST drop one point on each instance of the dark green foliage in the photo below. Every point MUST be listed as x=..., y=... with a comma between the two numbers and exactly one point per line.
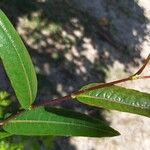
x=34, y=119
x=17, y=63
x=57, y=122
x=118, y=98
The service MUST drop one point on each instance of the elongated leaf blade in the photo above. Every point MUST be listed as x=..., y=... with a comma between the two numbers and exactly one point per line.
x=4, y=134
x=17, y=63
x=117, y=98
x=58, y=122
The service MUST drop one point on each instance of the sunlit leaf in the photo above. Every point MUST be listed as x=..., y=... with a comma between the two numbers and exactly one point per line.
x=58, y=122
x=17, y=63
x=117, y=98
x=4, y=101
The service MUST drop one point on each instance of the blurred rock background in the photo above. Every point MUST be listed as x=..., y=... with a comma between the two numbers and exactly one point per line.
x=73, y=43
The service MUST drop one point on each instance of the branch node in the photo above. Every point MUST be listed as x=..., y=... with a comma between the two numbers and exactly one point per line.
x=135, y=77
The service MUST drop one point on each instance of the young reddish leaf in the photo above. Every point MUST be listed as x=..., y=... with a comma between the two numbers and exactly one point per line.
x=17, y=63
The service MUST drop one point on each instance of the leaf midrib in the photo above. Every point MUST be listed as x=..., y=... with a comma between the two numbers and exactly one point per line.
x=56, y=122
x=22, y=64
x=106, y=99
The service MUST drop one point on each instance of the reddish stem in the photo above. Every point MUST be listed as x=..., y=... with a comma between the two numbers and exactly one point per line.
x=101, y=85
x=61, y=99
x=144, y=65
x=2, y=122
x=144, y=77
x=52, y=102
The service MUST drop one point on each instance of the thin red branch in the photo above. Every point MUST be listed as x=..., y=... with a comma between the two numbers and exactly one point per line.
x=70, y=96
x=2, y=122
x=52, y=102
x=144, y=77
x=143, y=67
x=101, y=85
x=44, y=103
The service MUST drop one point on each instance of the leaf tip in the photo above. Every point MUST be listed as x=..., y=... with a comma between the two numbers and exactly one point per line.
x=116, y=133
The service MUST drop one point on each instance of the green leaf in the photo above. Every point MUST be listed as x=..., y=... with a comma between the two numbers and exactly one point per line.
x=2, y=112
x=4, y=134
x=17, y=63
x=58, y=122
x=117, y=98
x=3, y=95
x=3, y=99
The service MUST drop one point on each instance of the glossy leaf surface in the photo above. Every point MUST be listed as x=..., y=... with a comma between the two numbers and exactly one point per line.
x=17, y=63
x=58, y=122
x=117, y=98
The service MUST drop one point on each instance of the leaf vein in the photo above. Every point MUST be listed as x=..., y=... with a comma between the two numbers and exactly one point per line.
x=22, y=64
